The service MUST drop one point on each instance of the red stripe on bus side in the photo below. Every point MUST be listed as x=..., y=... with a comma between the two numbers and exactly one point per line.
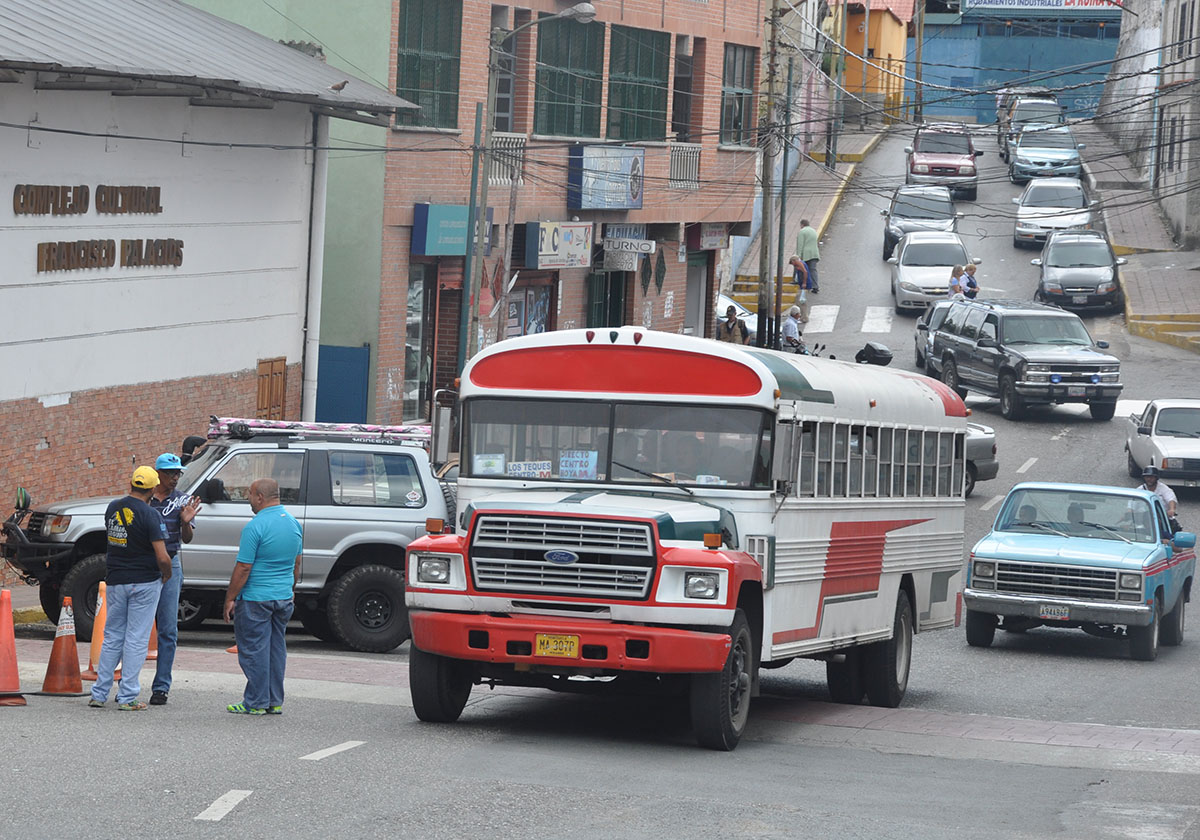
x=853, y=564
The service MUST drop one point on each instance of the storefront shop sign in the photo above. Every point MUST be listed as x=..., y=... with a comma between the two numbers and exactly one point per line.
x=621, y=260
x=633, y=246
x=558, y=245
x=713, y=236
x=440, y=230
x=624, y=231
x=605, y=177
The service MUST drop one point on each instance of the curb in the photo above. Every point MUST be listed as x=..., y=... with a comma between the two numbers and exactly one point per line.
x=823, y=225
x=29, y=616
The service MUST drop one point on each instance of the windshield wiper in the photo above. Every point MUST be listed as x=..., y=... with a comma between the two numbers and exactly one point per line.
x=662, y=478
x=1112, y=531
x=1044, y=527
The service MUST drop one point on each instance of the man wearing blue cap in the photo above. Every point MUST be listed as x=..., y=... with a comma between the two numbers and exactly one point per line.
x=178, y=510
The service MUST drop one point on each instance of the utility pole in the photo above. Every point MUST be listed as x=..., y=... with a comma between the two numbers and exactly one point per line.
x=785, y=136
x=918, y=114
x=838, y=104
x=866, y=55
x=768, y=179
x=464, y=312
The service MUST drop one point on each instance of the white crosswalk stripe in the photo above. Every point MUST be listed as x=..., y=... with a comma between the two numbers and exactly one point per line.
x=877, y=319
x=821, y=319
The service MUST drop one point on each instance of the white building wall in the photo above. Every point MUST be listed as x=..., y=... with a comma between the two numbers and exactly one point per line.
x=242, y=213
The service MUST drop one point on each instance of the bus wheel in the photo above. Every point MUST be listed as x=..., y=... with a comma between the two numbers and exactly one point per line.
x=845, y=678
x=439, y=686
x=721, y=701
x=886, y=664
x=981, y=628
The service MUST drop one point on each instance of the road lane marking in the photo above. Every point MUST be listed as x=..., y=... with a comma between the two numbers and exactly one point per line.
x=821, y=319
x=325, y=753
x=1025, y=467
x=991, y=503
x=877, y=319
x=225, y=803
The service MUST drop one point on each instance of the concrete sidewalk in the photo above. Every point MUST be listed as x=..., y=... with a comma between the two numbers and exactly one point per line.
x=1161, y=282
x=813, y=193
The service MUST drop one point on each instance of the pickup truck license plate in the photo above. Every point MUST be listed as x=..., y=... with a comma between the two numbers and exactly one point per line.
x=1079, y=299
x=1076, y=390
x=1052, y=612
x=566, y=647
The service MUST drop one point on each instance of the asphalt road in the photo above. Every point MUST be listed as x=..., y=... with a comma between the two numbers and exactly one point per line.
x=987, y=744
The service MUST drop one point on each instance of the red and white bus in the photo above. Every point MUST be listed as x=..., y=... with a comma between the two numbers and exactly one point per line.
x=638, y=503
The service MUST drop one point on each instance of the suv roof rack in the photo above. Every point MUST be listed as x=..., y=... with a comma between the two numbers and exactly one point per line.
x=247, y=428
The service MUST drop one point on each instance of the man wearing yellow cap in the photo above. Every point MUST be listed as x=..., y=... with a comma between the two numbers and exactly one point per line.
x=138, y=564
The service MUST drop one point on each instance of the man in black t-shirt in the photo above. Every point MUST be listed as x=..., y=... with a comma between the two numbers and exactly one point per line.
x=138, y=564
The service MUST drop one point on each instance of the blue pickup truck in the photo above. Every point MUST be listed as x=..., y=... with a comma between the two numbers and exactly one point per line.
x=1102, y=559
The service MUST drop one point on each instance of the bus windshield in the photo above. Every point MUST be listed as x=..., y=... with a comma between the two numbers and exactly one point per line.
x=622, y=443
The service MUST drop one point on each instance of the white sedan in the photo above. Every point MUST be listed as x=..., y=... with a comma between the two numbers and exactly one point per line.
x=1166, y=434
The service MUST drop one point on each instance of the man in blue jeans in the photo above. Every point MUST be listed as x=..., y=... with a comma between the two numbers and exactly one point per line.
x=259, y=598
x=138, y=566
x=178, y=510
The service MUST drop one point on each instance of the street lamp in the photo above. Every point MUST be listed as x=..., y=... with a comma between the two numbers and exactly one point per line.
x=581, y=13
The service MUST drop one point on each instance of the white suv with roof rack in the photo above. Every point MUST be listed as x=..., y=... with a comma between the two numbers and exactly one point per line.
x=362, y=493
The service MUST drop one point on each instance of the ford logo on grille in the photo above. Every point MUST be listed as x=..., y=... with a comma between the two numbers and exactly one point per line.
x=561, y=557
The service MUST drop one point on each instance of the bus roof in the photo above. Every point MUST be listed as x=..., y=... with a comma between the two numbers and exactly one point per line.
x=640, y=364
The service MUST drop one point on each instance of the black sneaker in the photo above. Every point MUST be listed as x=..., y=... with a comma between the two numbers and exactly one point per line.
x=158, y=698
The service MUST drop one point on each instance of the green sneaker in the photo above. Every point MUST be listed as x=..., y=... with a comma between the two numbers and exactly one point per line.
x=243, y=709
x=274, y=710
x=95, y=704
x=133, y=706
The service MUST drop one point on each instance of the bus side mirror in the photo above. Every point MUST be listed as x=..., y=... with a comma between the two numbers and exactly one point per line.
x=783, y=469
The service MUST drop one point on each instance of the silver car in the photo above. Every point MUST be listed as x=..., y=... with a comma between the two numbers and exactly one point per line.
x=917, y=208
x=1048, y=205
x=982, y=464
x=1079, y=271
x=921, y=267
x=929, y=321
x=1044, y=150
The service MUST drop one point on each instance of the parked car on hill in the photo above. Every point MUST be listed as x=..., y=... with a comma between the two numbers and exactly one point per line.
x=1079, y=271
x=1045, y=150
x=1026, y=110
x=945, y=154
x=917, y=208
x=1048, y=205
x=921, y=267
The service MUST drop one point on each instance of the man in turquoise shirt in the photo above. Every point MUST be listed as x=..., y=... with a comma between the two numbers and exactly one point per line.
x=259, y=598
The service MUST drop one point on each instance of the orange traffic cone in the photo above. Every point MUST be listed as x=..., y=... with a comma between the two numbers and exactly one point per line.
x=98, y=635
x=152, y=650
x=231, y=649
x=10, y=680
x=62, y=674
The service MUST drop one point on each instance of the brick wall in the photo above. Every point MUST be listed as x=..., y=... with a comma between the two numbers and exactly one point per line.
x=90, y=445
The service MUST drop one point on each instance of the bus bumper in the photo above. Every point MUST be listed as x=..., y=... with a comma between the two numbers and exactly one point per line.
x=596, y=645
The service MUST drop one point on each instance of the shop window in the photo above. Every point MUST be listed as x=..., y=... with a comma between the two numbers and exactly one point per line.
x=737, y=95
x=681, y=105
x=529, y=311
x=429, y=34
x=637, y=84
x=570, y=65
x=606, y=299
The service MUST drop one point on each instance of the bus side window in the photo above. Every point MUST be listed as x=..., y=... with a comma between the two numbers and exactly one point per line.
x=824, y=457
x=960, y=445
x=929, y=465
x=912, y=473
x=841, y=434
x=885, y=461
x=899, y=461
x=945, y=465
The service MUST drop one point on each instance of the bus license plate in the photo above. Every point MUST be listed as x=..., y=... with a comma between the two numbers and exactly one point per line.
x=1076, y=390
x=1057, y=613
x=566, y=647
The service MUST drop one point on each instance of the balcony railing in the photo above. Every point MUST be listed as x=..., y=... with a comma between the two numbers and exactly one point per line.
x=507, y=165
x=685, y=166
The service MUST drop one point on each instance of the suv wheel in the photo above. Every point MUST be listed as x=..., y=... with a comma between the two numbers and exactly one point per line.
x=1012, y=406
x=192, y=613
x=950, y=378
x=82, y=585
x=1102, y=410
x=51, y=597
x=366, y=609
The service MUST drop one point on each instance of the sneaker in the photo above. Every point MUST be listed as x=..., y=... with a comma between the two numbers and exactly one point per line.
x=274, y=710
x=158, y=698
x=243, y=709
x=133, y=706
x=95, y=704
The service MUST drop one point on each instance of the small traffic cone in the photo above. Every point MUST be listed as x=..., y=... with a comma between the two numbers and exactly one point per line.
x=152, y=650
x=10, y=680
x=231, y=649
x=62, y=674
x=98, y=635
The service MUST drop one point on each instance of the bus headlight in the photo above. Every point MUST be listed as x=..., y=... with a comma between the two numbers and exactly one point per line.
x=704, y=585
x=433, y=569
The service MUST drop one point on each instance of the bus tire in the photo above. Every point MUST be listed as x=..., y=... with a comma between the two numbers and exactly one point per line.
x=439, y=686
x=720, y=701
x=845, y=679
x=981, y=628
x=886, y=664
